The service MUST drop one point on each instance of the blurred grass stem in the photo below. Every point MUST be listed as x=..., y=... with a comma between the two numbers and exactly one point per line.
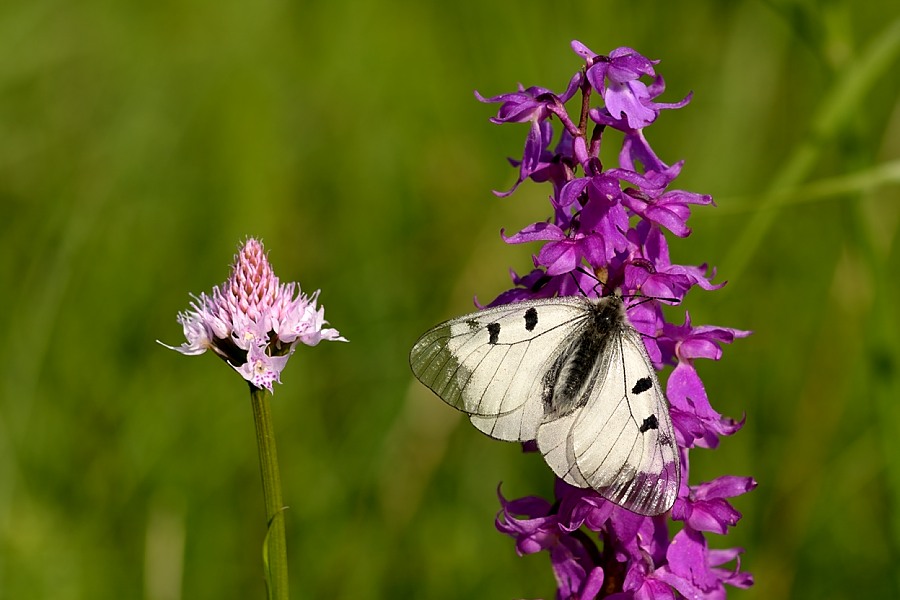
x=880, y=361
x=843, y=101
x=274, y=548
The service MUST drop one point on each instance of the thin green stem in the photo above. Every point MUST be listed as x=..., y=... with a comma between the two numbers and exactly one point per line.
x=274, y=548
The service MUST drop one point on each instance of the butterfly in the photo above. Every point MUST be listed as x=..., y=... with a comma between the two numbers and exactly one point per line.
x=571, y=373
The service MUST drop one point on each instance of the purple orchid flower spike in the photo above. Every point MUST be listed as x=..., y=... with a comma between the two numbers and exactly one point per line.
x=608, y=231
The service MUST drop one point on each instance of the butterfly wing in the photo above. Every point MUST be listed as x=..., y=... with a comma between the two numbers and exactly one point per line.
x=491, y=364
x=621, y=443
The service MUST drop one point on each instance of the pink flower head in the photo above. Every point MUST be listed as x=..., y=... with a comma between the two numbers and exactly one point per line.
x=252, y=321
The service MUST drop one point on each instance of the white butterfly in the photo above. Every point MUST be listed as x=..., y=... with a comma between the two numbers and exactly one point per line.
x=572, y=374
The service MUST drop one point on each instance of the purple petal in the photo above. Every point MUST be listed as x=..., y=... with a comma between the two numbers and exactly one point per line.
x=636, y=148
x=647, y=319
x=698, y=276
x=654, y=90
x=573, y=86
x=570, y=575
x=535, y=232
x=582, y=50
x=684, y=383
x=630, y=61
x=727, y=486
x=534, y=144
x=626, y=98
x=579, y=147
x=681, y=197
x=593, y=585
x=692, y=430
x=724, y=335
x=714, y=516
x=668, y=217
x=538, y=531
x=688, y=429
x=694, y=418
x=579, y=507
x=699, y=348
x=573, y=192
x=685, y=587
x=560, y=257
x=687, y=558
x=593, y=248
x=734, y=578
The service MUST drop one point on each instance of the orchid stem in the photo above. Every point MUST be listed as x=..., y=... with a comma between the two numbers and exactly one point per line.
x=274, y=548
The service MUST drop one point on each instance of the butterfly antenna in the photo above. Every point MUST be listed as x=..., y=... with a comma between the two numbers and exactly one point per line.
x=578, y=283
x=643, y=299
x=593, y=276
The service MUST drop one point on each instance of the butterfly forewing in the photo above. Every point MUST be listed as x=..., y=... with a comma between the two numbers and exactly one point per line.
x=490, y=364
x=574, y=375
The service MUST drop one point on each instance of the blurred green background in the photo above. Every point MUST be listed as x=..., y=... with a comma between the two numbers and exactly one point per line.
x=140, y=142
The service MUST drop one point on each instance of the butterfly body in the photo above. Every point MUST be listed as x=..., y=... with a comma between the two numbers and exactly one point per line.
x=574, y=375
x=567, y=381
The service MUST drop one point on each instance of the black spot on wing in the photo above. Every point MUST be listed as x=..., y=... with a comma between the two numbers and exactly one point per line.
x=473, y=324
x=530, y=319
x=494, y=332
x=643, y=384
x=649, y=423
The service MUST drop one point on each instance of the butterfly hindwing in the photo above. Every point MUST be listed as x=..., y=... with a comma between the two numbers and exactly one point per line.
x=491, y=364
x=623, y=443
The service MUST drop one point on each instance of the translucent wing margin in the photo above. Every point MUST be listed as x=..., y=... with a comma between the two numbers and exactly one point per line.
x=491, y=364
